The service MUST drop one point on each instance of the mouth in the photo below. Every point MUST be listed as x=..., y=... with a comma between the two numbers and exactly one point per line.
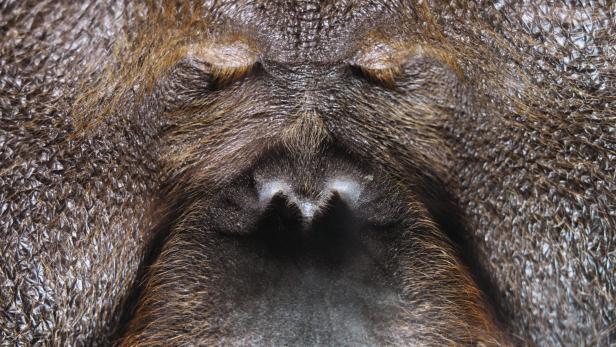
x=318, y=251
x=325, y=281
x=310, y=267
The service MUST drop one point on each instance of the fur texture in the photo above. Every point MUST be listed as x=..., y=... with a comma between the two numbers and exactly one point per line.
x=497, y=117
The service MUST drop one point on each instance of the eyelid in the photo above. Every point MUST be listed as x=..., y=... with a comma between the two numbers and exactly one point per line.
x=386, y=76
x=382, y=62
x=227, y=61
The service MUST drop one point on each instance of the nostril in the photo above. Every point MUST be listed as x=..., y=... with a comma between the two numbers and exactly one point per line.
x=269, y=189
x=348, y=190
x=280, y=205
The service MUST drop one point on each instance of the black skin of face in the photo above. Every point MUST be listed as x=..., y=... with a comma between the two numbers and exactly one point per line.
x=313, y=173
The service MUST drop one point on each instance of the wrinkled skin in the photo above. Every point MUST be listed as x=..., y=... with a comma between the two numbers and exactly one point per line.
x=124, y=127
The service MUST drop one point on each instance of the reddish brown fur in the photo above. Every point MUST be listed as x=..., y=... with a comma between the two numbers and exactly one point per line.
x=503, y=110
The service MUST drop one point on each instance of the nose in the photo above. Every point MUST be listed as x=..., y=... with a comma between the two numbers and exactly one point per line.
x=347, y=189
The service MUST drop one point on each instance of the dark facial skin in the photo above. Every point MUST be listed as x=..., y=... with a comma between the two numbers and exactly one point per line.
x=319, y=251
x=310, y=173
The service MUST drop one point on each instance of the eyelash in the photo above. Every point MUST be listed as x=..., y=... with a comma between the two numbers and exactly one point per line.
x=225, y=75
x=220, y=76
x=386, y=77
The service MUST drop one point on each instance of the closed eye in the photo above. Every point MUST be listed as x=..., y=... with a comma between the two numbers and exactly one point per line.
x=386, y=64
x=381, y=62
x=224, y=62
x=385, y=76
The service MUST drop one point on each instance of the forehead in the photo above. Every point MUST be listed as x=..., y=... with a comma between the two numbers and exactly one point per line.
x=310, y=30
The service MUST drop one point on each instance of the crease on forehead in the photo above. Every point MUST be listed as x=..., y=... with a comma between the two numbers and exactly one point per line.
x=302, y=31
